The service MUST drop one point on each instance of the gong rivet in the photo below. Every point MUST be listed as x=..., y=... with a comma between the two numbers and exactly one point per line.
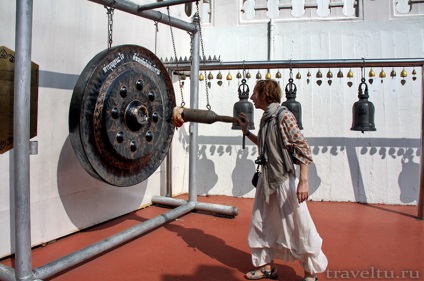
x=139, y=85
x=155, y=117
x=149, y=136
x=120, y=137
x=133, y=146
x=123, y=91
x=115, y=113
x=152, y=96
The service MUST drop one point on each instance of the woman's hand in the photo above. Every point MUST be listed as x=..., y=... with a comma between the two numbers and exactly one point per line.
x=302, y=191
x=243, y=121
x=303, y=186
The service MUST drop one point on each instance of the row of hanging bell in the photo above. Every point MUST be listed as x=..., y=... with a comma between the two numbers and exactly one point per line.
x=362, y=111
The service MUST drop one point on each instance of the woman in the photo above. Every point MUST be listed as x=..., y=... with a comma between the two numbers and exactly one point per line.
x=281, y=225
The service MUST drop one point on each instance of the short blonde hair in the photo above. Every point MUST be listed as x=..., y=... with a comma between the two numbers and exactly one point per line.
x=270, y=89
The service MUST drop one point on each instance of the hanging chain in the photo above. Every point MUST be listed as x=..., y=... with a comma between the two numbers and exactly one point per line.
x=208, y=106
x=176, y=59
x=110, y=10
x=156, y=35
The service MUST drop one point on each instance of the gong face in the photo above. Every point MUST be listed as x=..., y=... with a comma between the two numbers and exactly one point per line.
x=120, y=118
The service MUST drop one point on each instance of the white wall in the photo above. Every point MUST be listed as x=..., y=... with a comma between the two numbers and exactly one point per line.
x=375, y=167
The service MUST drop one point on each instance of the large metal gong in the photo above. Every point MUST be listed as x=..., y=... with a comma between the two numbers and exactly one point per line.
x=120, y=117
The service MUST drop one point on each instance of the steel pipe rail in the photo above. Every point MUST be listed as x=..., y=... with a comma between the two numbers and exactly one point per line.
x=7, y=273
x=164, y=4
x=95, y=249
x=132, y=8
x=281, y=64
x=200, y=206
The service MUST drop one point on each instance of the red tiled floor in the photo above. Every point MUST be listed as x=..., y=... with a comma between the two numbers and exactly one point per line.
x=362, y=242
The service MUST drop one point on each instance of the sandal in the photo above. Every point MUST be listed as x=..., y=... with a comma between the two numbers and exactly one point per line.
x=272, y=274
x=304, y=279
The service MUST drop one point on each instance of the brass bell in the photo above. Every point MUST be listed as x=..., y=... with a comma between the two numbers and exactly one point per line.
x=363, y=111
x=319, y=74
x=393, y=73
x=278, y=74
x=298, y=76
x=403, y=73
x=210, y=76
x=294, y=106
x=371, y=74
x=219, y=76
x=238, y=75
x=258, y=75
x=340, y=74
x=382, y=75
x=243, y=105
x=329, y=76
x=248, y=76
x=201, y=77
x=350, y=74
x=268, y=75
x=229, y=76
x=308, y=75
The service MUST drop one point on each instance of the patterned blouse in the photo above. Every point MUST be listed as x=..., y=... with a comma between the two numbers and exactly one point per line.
x=294, y=140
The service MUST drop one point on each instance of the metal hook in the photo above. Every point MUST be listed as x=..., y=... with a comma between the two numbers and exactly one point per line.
x=363, y=68
x=291, y=70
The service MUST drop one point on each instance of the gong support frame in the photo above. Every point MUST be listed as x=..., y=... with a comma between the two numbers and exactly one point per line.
x=23, y=259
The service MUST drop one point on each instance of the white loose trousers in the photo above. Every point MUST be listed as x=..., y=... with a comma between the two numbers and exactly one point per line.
x=283, y=229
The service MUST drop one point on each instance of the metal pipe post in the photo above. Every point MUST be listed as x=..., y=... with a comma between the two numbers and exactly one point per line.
x=421, y=194
x=194, y=103
x=132, y=8
x=21, y=128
